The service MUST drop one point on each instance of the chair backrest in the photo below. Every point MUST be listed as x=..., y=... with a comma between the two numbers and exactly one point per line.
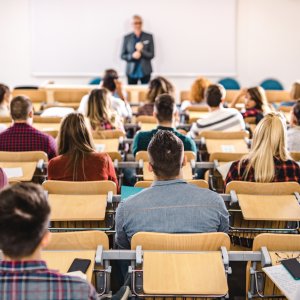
x=108, y=134
x=39, y=119
x=79, y=187
x=181, y=242
x=198, y=182
x=35, y=95
x=277, y=96
x=185, y=95
x=227, y=135
x=257, y=188
x=146, y=119
x=197, y=108
x=230, y=83
x=225, y=157
x=115, y=156
x=190, y=155
x=78, y=240
x=277, y=242
x=29, y=156
x=295, y=156
x=95, y=81
x=70, y=95
x=271, y=84
x=142, y=96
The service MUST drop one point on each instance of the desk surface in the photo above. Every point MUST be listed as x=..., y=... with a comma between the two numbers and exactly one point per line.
x=228, y=145
x=28, y=169
x=269, y=208
x=184, y=273
x=62, y=260
x=77, y=207
x=107, y=145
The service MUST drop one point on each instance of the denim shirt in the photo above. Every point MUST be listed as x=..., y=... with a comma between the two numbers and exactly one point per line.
x=171, y=206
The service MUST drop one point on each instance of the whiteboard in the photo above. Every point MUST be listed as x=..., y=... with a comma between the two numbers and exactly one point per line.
x=84, y=37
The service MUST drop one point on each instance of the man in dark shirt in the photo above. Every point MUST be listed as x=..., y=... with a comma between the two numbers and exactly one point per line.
x=21, y=136
x=165, y=112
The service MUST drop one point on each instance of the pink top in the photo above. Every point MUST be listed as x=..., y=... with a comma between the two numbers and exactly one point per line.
x=3, y=179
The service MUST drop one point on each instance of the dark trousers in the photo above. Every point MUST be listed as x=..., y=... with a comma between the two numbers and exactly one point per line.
x=144, y=80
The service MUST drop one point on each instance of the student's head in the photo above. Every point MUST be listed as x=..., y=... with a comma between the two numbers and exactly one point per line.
x=269, y=142
x=215, y=95
x=295, y=115
x=98, y=108
x=295, y=91
x=24, y=218
x=137, y=23
x=158, y=86
x=166, y=155
x=74, y=140
x=4, y=94
x=255, y=98
x=109, y=80
x=21, y=109
x=165, y=108
x=198, y=89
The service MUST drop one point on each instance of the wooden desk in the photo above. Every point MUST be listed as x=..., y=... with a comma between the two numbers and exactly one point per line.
x=107, y=145
x=197, y=114
x=28, y=169
x=62, y=260
x=184, y=273
x=47, y=126
x=187, y=172
x=269, y=208
x=228, y=145
x=148, y=126
x=77, y=207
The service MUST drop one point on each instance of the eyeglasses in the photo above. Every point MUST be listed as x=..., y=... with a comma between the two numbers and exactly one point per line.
x=137, y=23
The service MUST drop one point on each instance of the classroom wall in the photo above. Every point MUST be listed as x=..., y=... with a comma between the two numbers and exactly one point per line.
x=268, y=43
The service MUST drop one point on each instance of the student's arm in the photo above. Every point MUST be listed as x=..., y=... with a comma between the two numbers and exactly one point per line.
x=224, y=216
x=237, y=98
x=111, y=173
x=149, y=53
x=121, y=236
x=51, y=148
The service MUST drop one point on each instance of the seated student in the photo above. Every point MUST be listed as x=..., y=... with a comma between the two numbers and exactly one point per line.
x=23, y=274
x=5, y=96
x=170, y=205
x=268, y=159
x=294, y=94
x=293, y=134
x=3, y=179
x=116, y=95
x=166, y=113
x=219, y=118
x=256, y=104
x=196, y=94
x=21, y=136
x=157, y=86
x=78, y=159
x=99, y=115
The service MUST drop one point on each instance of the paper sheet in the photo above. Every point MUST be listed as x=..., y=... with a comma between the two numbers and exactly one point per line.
x=77, y=274
x=284, y=281
x=224, y=169
x=13, y=172
x=228, y=148
x=100, y=147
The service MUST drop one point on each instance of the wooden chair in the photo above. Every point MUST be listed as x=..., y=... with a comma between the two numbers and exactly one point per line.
x=187, y=169
x=108, y=140
x=48, y=125
x=136, y=93
x=80, y=204
x=199, y=183
x=184, y=95
x=79, y=240
x=262, y=207
x=172, y=268
x=31, y=163
x=277, y=96
x=282, y=244
x=295, y=156
x=7, y=121
x=146, y=122
x=231, y=95
x=196, y=112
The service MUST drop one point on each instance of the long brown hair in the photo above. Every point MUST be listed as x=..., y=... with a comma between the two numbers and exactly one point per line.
x=258, y=95
x=295, y=91
x=75, y=140
x=158, y=86
x=98, y=109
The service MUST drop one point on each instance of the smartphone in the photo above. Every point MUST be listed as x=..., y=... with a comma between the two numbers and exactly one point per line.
x=293, y=267
x=79, y=264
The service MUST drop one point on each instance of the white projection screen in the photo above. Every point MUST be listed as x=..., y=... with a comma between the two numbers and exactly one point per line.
x=84, y=37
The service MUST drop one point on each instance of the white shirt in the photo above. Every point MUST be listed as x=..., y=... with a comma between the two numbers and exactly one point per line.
x=122, y=109
x=223, y=119
x=293, y=139
x=57, y=112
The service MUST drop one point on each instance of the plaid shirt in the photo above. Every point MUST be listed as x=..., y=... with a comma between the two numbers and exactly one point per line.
x=284, y=171
x=32, y=280
x=23, y=137
x=253, y=112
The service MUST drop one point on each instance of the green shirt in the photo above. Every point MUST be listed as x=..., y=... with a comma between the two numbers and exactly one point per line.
x=143, y=138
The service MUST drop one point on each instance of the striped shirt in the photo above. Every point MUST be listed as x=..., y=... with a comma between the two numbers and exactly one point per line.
x=223, y=119
x=24, y=280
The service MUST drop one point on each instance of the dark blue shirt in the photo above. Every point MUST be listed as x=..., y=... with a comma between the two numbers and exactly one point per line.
x=138, y=72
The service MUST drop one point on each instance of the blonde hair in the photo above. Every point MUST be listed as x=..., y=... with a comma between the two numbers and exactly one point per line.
x=295, y=91
x=198, y=89
x=269, y=142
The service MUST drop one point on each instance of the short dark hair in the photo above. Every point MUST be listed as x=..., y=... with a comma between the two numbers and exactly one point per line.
x=164, y=107
x=296, y=111
x=24, y=215
x=3, y=90
x=20, y=108
x=166, y=153
x=109, y=78
x=214, y=95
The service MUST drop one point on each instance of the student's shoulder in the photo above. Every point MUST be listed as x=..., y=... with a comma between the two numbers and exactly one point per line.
x=202, y=193
x=135, y=199
x=60, y=159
